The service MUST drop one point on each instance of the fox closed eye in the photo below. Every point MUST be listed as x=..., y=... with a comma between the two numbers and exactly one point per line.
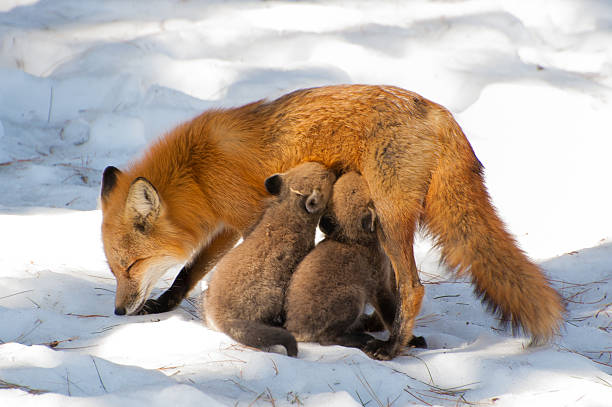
x=127, y=270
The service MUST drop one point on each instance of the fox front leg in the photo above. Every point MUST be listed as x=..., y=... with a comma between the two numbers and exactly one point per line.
x=190, y=274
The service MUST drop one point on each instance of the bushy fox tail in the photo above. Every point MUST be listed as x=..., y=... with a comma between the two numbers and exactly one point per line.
x=260, y=335
x=472, y=238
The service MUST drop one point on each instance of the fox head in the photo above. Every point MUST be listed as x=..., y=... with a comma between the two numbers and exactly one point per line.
x=350, y=214
x=307, y=187
x=140, y=241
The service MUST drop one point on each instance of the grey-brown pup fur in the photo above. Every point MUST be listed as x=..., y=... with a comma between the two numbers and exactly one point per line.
x=245, y=295
x=329, y=290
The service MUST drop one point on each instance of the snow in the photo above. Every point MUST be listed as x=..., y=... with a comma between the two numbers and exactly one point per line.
x=88, y=84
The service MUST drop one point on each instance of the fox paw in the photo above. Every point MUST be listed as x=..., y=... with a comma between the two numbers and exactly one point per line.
x=380, y=350
x=168, y=301
x=153, y=306
x=417, y=342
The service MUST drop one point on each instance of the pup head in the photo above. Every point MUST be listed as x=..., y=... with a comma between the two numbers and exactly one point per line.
x=308, y=186
x=350, y=214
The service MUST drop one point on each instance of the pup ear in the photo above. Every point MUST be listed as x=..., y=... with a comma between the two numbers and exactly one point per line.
x=314, y=203
x=368, y=222
x=273, y=184
x=109, y=180
x=143, y=204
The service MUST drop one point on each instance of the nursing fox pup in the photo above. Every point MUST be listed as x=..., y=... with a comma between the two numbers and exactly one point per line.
x=201, y=186
x=328, y=292
x=246, y=293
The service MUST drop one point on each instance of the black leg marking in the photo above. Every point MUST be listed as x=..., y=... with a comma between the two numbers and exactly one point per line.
x=378, y=349
x=171, y=298
x=417, y=342
x=353, y=340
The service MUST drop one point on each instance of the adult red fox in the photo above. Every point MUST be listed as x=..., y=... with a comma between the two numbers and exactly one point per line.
x=198, y=188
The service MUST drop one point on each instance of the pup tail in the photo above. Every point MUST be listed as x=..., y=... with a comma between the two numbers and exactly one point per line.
x=260, y=335
x=472, y=238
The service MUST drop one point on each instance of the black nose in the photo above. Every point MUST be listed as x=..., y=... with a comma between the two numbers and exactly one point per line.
x=120, y=311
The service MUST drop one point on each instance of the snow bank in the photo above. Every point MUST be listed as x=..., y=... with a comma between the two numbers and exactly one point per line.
x=84, y=85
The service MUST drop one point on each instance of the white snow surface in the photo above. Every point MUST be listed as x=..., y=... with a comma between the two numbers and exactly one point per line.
x=86, y=84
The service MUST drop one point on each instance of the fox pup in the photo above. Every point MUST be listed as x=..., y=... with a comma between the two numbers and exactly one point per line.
x=200, y=187
x=329, y=290
x=245, y=294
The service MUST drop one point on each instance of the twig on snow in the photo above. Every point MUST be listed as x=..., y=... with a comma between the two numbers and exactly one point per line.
x=604, y=308
x=193, y=310
x=569, y=299
x=422, y=321
x=97, y=371
x=585, y=356
x=68, y=382
x=416, y=397
x=294, y=398
x=605, y=382
x=457, y=393
x=275, y=367
x=447, y=296
x=106, y=328
x=241, y=347
x=53, y=344
x=7, y=385
x=431, y=380
x=87, y=316
x=241, y=386
x=33, y=302
x=363, y=404
x=50, y=104
x=226, y=360
x=24, y=160
x=267, y=396
x=104, y=289
x=12, y=295
x=24, y=335
x=572, y=284
x=366, y=385
x=78, y=347
x=169, y=367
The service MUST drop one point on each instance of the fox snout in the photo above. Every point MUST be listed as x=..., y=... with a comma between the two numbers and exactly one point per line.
x=129, y=297
x=120, y=310
x=134, y=288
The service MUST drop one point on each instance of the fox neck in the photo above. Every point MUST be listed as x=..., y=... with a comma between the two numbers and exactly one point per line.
x=209, y=174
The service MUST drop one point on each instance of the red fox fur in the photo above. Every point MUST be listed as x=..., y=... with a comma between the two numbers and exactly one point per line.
x=198, y=188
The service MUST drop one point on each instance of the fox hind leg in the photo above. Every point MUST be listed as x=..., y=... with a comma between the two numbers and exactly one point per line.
x=410, y=297
x=397, y=168
x=398, y=208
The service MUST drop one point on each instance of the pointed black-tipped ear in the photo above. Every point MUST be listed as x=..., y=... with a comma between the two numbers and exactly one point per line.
x=109, y=180
x=274, y=183
x=143, y=204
